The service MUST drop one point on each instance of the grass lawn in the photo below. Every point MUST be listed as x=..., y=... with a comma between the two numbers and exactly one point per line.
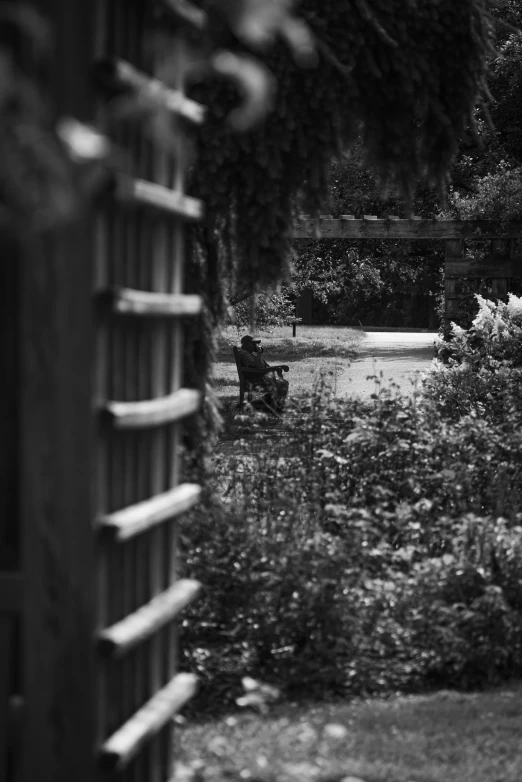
x=445, y=737
x=315, y=350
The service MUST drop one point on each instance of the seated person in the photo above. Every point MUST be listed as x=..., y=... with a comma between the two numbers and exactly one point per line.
x=258, y=371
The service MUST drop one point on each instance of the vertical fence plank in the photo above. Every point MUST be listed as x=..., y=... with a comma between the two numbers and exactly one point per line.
x=454, y=249
x=56, y=354
x=101, y=475
x=177, y=174
x=56, y=506
x=10, y=554
x=501, y=251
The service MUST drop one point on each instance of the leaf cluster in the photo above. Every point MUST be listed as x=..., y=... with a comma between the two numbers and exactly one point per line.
x=374, y=282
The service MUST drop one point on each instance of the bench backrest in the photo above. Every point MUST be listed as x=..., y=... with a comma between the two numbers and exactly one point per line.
x=239, y=366
x=240, y=373
x=235, y=351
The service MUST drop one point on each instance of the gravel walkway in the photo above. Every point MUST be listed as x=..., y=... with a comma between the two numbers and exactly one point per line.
x=400, y=356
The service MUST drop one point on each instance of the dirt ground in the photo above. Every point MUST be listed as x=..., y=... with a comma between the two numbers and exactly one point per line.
x=399, y=356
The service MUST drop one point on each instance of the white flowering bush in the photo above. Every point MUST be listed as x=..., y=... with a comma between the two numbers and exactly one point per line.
x=479, y=370
x=495, y=336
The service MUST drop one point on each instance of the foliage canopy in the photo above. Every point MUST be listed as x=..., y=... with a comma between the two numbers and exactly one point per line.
x=406, y=76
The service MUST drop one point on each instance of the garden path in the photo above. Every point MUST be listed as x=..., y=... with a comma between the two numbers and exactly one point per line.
x=398, y=355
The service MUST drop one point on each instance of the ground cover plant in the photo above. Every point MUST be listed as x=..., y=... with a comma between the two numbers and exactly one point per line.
x=366, y=549
x=445, y=737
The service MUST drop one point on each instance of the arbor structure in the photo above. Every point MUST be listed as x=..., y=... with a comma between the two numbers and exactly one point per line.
x=502, y=263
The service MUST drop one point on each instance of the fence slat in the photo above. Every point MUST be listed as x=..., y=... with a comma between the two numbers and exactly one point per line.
x=131, y=521
x=127, y=301
x=136, y=627
x=185, y=12
x=11, y=585
x=120, y=74
x=413, y=228
x=484, y=267
x=453, y=253
x=140, y=192
x=123, y=745
x=153, y=412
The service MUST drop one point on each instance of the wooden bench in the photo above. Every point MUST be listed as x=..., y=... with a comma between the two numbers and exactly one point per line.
x=248, y=381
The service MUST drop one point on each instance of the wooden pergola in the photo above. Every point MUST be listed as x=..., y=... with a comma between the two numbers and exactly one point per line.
x=502, y=262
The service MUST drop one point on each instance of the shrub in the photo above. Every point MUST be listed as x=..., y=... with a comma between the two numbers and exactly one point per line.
x=463, y=609
x=270, y=309
x=480, y=370
x=498, y=196
x=370, y=547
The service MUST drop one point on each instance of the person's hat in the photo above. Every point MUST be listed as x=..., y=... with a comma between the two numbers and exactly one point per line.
x=247, y=338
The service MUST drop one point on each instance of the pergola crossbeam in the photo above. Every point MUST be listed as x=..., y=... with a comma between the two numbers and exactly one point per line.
x=345, y=227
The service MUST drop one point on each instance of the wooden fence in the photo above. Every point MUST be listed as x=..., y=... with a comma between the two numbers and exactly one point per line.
x=90, y=475
x=501, y=264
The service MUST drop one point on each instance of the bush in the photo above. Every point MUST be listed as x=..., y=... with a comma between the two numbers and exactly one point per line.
x=270, y=309
x=480, y=370
x=498, y=197
x=370, y=548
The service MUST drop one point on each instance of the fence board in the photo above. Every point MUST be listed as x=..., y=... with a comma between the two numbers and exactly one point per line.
x=143, y=193
x=56, y=453
x=145, y=515
x=148, y=721
x=153, y=412
x=487, y=267
x=127, y=301
x=392, y=228
x=138, y=626
x=114, y=75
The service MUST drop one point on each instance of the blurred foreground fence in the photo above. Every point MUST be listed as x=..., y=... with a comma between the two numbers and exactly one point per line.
x=91, y=355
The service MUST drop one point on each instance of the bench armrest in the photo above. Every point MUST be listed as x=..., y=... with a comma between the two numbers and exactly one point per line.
x=265, y=371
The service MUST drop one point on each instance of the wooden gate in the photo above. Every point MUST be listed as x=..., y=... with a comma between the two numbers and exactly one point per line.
x=98, y=313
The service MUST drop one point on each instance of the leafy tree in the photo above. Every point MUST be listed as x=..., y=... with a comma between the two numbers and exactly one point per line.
x=403, y=76
x=486, y=177
x=267, y=310
x=381, y=283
